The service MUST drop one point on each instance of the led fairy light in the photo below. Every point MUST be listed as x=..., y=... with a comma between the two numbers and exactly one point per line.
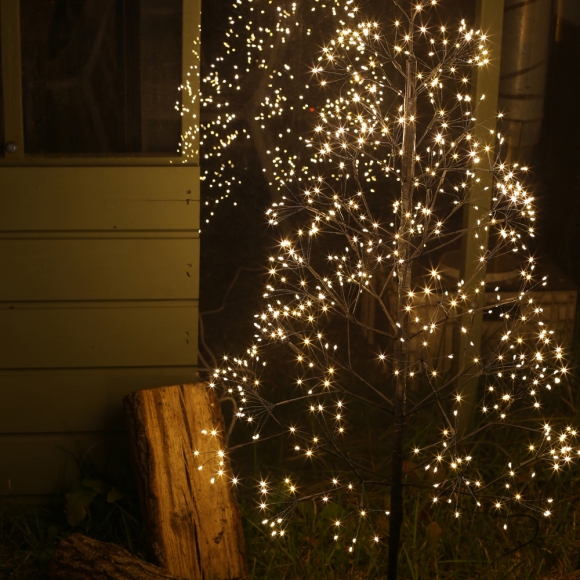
x=255, y=29
x=392, y=200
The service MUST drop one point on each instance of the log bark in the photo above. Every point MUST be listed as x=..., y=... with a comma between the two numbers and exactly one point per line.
x=185, y=485
x=81, y=558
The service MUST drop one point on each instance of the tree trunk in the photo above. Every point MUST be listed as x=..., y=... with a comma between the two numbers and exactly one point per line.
x=81, y=558
x=401, y=350
x=185, y=486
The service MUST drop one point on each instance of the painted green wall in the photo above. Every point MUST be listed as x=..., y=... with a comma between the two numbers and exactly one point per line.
x=99, y=277
x=98, y=297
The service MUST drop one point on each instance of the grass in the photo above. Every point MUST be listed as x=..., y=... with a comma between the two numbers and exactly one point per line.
x=436, y=545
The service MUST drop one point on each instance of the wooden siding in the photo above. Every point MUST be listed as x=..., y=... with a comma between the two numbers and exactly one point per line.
x=98, y=297
x=105, y=199
x=45, y=464
x=126, y=268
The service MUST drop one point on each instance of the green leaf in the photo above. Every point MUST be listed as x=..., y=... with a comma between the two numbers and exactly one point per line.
x=77, y=502
x=114, y=494
x=96, y=485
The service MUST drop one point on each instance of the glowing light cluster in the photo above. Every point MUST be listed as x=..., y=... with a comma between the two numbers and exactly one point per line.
x=346, y=251
x=246, y=94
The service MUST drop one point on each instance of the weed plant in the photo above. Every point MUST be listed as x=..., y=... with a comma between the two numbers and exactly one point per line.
x=29, y=535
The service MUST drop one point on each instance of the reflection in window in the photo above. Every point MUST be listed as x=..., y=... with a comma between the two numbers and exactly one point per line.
x=101, y=76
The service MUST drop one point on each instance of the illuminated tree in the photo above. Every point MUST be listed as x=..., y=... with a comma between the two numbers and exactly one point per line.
x=253, y=99
x=398, y=154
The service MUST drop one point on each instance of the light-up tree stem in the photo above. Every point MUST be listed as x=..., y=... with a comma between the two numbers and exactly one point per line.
x=426, y=168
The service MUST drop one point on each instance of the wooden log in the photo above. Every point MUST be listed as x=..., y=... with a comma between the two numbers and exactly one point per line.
x=81, y=558
x=185, y=484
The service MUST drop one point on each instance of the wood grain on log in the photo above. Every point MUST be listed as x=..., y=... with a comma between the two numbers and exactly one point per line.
x=81, y=558
x=185, y=486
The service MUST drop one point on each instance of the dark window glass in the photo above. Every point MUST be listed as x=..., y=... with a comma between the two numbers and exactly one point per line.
x=101, y=76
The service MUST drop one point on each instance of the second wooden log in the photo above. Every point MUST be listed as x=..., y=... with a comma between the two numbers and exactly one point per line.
x=189, y=508
x=80, y=558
